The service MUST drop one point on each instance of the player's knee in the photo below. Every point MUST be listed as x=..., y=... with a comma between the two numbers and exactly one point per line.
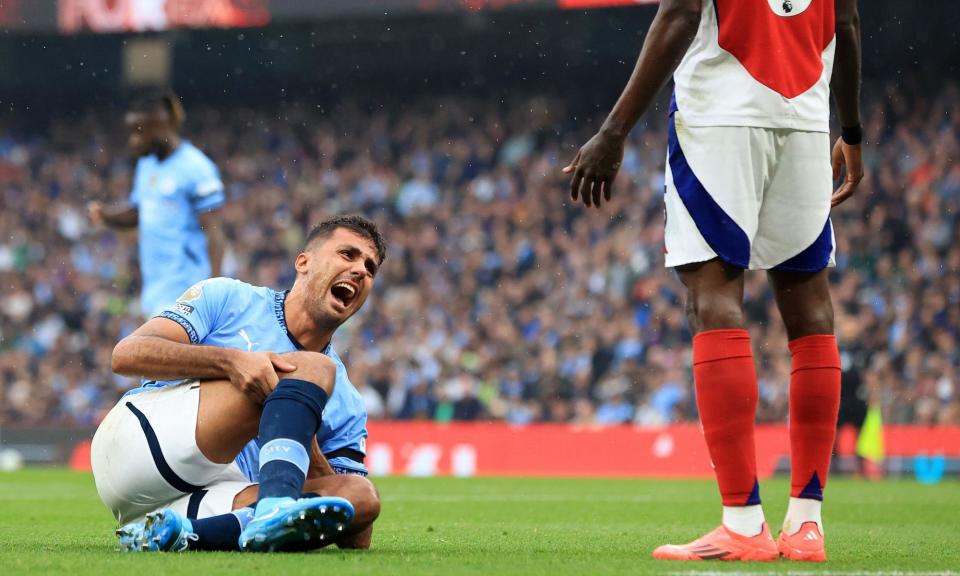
x=366, y=501
x=313, y=367
x=710, y=311
x=813, y=320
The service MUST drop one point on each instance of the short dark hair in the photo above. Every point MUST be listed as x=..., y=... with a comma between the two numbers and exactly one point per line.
x=154, y=99
x=354, y=223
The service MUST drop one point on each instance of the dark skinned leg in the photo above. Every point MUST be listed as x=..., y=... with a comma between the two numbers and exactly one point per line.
x=726, y=386
x=714, y=295
x=804, y=303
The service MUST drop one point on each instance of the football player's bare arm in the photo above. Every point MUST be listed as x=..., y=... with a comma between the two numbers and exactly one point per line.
x=671, y=33
x=161, y=350
x=210, y=223
x=358, y=490
x=596, y=164
x=116, y=216
x=845, y=86
x=845, y=81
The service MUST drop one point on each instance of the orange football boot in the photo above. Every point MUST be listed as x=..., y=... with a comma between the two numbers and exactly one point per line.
x=806, y=545
x=723, y=544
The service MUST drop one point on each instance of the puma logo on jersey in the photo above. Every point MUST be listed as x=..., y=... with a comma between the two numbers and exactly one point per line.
x=788, y=7
x=250, y=344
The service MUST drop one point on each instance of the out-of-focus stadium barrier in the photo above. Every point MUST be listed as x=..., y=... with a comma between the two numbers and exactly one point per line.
x=497, y=449
x=461, y=449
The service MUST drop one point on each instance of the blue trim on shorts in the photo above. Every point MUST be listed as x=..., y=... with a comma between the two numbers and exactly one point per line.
x=158, y=459
x=814, y=257
x=721, y=233
x=344, y=465
x=193, y=504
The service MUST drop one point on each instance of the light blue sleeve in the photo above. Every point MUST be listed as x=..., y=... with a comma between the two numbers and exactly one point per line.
x=206, y=188
x=199, y=309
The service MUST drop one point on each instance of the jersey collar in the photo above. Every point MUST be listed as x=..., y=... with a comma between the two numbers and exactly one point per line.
x=279, y=302
x=279, y=298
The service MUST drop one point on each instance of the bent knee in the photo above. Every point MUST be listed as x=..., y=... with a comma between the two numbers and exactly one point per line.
x=313, y=367
x=365, y=499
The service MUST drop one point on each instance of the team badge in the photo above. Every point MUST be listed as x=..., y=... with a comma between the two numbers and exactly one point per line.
x=789, y=7
x=193, y=293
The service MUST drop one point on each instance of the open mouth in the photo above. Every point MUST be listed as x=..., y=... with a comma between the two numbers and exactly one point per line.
x=344, y=293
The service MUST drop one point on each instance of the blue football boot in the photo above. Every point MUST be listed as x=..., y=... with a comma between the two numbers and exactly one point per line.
x=288, y=525
x=163, y=531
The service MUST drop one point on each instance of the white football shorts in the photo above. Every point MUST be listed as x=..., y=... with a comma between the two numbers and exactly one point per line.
x=757, y=198
x=145, y=457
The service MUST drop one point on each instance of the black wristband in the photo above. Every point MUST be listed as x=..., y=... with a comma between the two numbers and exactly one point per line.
x=852, y=135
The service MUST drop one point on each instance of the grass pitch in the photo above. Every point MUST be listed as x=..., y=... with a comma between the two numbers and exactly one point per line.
x=51, y=522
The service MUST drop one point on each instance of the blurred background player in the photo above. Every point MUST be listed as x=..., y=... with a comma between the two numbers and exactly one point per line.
x=176, y=194
x=748, y=186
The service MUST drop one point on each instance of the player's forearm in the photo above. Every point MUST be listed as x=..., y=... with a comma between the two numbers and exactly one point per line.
x=215, y=250
x=210, y=224
x=670, y=35
x=157, y=358
x=121, y=216
x=845, y=82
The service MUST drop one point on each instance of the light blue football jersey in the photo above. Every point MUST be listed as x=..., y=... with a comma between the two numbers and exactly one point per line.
x=232, y=314
x=170, y=195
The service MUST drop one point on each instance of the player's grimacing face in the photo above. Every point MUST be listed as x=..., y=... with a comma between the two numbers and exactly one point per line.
x=339, y=273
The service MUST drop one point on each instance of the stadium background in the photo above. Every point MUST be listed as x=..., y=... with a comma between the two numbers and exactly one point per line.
x=504, y=315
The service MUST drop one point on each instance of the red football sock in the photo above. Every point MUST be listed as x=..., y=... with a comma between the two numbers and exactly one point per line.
x=814, y=403
x=726, y=382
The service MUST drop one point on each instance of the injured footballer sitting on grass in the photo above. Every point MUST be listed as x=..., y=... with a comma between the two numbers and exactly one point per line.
x=242, y=386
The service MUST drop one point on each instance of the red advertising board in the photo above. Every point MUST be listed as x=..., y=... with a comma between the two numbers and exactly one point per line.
x=462, y=449
x=497, y=449
x=140, y=15
x=572, y=4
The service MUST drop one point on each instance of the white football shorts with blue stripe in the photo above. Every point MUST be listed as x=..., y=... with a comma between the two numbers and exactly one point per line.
x=757, y=198
x=145, y=458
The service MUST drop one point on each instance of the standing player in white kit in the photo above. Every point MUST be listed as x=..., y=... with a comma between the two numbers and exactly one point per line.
x=748, y=186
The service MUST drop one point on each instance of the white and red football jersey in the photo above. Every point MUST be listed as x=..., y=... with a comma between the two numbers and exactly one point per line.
x=759, y=63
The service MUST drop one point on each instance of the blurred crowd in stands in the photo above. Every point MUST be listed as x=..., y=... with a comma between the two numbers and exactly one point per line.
x=499, y=299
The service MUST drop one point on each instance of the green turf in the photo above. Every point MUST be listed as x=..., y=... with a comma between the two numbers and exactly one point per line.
x=51, y=522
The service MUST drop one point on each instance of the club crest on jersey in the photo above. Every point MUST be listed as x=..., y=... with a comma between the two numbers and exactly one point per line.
x=789, y=7
x=193, y=293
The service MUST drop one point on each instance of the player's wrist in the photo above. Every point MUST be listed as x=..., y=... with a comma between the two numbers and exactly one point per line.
x=227, y=360
x=852, y=135
x=614, y=131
